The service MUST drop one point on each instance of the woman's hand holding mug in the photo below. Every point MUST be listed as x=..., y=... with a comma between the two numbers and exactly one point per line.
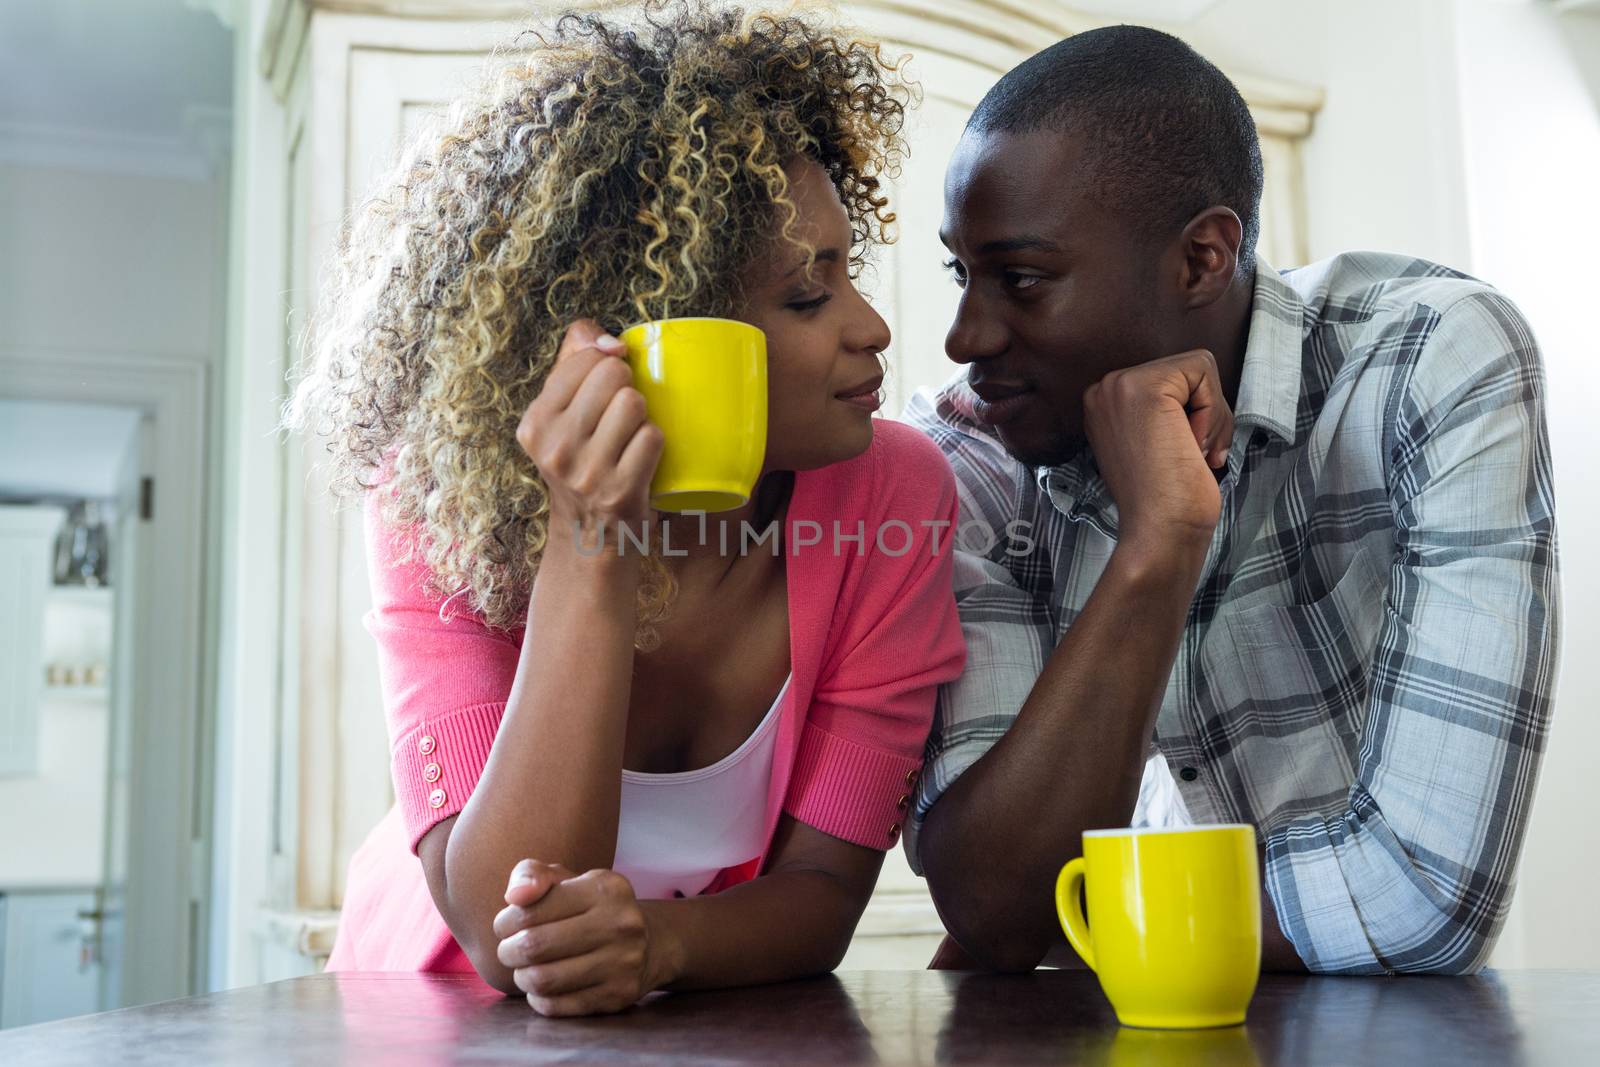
x=588, y=434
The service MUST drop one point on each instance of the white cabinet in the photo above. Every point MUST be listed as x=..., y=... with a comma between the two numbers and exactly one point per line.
x=353, y=81
x=27, y=539
x=45, y=973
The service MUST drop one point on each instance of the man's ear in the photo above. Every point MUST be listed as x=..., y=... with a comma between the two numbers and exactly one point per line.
x=1210, y=248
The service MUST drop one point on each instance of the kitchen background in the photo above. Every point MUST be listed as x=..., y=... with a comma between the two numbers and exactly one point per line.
x=190, y=739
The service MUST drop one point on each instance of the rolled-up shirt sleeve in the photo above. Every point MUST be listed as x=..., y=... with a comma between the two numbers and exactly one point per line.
x=445, y=677
x=1416, y=874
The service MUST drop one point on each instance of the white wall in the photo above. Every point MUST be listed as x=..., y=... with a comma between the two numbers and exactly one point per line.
x=1382, y=166
x=94, y=261
x=97, y=261
x=1532, y=139
x=105, y=262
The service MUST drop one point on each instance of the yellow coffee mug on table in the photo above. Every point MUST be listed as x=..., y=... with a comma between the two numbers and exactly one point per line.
x=704, y=382
x=1174, y=924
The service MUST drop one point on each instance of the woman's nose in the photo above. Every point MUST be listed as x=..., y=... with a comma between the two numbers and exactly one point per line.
x=871, y=333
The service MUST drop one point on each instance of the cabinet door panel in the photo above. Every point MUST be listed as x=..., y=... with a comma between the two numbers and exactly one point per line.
x=913, y=291
x=390, y=92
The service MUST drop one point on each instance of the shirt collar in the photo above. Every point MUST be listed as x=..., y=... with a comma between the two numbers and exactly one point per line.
x=1269, y=384
x=1269, y=398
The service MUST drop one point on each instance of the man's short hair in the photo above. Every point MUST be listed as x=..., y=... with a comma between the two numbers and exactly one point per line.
x=1166, y=133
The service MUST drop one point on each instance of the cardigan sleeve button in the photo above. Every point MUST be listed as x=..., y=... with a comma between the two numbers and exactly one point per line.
x=425, y=745
x=904, y=802
x=436, y=798
x=894, y=831
x=911, y=778
x=430, y=773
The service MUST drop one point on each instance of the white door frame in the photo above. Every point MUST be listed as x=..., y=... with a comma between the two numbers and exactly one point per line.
x=170, y=751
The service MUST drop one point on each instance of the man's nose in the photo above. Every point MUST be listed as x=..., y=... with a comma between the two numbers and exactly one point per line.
x=974, y=335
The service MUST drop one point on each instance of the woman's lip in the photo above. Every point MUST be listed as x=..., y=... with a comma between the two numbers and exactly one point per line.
x=866, y=388
x=865, y=401
x=1003, y=410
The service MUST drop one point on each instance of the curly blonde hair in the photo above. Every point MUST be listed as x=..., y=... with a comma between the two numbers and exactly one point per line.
x=619, y=169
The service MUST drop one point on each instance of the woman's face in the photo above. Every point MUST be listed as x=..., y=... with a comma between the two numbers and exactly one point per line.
x=824, y=378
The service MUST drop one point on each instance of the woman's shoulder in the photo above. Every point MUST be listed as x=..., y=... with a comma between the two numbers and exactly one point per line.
x=902, y=474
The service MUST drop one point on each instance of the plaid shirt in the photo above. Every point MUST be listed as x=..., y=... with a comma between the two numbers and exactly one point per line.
x=1366, y=670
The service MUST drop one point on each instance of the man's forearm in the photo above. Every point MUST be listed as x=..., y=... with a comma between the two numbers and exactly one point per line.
x=1072, y=761
x=1277, y=951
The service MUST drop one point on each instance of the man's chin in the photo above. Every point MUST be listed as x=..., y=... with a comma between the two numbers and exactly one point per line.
x=1033, y=449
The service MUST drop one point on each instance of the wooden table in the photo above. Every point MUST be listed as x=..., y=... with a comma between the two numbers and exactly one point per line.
x=882, y=1017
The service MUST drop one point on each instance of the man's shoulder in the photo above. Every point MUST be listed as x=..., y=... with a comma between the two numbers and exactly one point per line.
x=943, y=413
x=988, y=478
x=1432, y=323
x=1376, y=288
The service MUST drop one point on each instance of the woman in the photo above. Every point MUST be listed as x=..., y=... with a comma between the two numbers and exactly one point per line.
x=686, y=767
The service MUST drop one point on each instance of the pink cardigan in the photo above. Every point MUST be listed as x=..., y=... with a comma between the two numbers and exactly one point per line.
x=872, y=634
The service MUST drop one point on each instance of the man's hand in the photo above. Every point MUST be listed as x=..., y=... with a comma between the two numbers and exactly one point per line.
x=1156, y=431
x=577, y=944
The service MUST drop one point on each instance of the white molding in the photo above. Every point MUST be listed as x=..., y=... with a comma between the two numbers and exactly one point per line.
x=899, y=913
x=308, y=933
x=283, y=36
x=226, y=11
x=247, y=875
x=1003, y=30
x=1171, y=12
x=183, y=158
x=208, y=129
x=117, y=358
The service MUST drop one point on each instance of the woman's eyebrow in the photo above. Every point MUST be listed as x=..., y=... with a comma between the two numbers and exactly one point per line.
x=823, y=255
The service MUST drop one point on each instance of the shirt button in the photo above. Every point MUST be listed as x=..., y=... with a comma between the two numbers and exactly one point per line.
x=430, y=773
x=436, y=798
x=425, y=745
x=1188, y=774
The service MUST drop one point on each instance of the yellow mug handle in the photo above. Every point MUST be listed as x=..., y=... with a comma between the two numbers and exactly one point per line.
x=1069, y=909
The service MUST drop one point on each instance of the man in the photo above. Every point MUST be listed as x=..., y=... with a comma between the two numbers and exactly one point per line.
x=1266, y=549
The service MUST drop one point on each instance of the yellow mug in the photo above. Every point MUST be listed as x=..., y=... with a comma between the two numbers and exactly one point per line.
x=1224, y=1046
x=704, y=382
x=1174, y=924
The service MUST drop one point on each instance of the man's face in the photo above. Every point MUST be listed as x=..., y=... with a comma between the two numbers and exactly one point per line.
x=1057, y=289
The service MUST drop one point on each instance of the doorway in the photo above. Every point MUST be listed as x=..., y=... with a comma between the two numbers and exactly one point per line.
x=102, y=867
